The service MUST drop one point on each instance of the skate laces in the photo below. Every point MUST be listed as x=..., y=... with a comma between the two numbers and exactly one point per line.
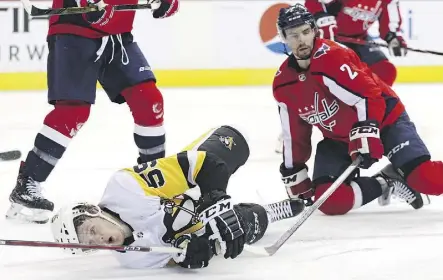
x=33, y=188
x=403, y=192
x=279, y=210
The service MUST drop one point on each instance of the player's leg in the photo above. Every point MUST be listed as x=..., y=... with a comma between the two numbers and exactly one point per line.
x=411, y=158
x=374, y=57
x=225, y=142
x=331, y=160
x=255, y=218
x=72, y=77
x=135, y=84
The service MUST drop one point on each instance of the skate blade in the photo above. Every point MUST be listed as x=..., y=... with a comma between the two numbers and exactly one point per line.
x=426, y=199
x=385, y=198
x=18, y=212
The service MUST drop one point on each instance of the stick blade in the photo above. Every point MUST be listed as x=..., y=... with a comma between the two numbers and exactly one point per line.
x=10, y=155
x=260, y=251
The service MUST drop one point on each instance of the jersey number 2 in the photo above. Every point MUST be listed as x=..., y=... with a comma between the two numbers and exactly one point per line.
x=352, y=74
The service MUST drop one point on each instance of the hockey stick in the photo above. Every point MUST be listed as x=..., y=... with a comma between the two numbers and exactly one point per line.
x=10, y=155
x=34, y=11
x=271, y=250
x=46, y=244
x=364, y=42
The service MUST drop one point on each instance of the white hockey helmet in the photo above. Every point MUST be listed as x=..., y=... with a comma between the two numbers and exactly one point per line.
x=63, y=228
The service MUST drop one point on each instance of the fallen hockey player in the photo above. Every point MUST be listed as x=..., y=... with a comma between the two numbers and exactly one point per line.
x=148, y=205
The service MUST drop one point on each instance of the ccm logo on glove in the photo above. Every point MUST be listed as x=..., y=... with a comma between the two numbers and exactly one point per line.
x=371, y=131
x=215, y=210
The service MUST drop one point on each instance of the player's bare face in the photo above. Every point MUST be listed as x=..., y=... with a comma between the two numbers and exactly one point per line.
x=98, y=231
x=301, y=40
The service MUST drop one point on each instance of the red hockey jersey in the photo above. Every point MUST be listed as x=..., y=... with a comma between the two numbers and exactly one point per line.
x=336, y=91
x=354, y=17
x=121, y=22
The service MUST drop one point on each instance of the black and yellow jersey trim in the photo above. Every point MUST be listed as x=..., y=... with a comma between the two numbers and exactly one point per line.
x=174, y=175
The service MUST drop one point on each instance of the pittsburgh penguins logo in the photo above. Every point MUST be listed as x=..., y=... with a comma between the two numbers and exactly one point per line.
x=228, y=141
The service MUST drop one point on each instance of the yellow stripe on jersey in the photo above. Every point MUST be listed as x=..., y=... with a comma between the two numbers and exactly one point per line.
x=196, y=144
x=170, y=176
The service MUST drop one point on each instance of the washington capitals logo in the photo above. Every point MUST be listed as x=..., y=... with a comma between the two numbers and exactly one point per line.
x=228, y=141
x=318, y=117
x=363, y=13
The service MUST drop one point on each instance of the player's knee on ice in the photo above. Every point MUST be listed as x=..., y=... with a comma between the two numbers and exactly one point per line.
x=339, y=203
x=351, y=194
x=253, y=219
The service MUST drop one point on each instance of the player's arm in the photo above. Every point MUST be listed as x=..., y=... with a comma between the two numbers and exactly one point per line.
x=296, y=149
x=390, y=27
x=324, y=12
x=348, y=79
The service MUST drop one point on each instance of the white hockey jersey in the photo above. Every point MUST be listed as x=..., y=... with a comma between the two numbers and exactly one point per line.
x=137, y=196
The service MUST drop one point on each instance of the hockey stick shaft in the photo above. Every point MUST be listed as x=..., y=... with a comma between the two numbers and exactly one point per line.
x=271, y=250
x=34, y=11
x=364, y=42
x=46, y=244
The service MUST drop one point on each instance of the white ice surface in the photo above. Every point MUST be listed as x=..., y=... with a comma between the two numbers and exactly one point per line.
x=393, y=242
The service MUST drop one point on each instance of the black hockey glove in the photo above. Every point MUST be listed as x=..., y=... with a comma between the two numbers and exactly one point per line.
x=222, y=223
x=163, y=8
x=396, y=44
x=197, y=251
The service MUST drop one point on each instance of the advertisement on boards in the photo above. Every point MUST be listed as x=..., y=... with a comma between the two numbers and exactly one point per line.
x=214, y=42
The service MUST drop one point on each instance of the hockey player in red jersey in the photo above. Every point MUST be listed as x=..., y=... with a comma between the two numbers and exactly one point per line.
x=353, y=18
x=339, y=20
x=84, y=49
x=326, y=85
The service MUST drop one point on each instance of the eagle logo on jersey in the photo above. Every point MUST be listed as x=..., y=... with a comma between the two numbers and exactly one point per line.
x=363, y=14
x=321, y=51
x=316, y=116
x=228, y=141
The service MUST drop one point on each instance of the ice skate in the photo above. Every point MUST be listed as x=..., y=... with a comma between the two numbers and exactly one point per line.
x=398, y=188
x=284, y=209
x=27, y=202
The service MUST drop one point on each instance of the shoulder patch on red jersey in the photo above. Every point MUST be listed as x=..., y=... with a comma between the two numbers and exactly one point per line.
x=321, y=51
